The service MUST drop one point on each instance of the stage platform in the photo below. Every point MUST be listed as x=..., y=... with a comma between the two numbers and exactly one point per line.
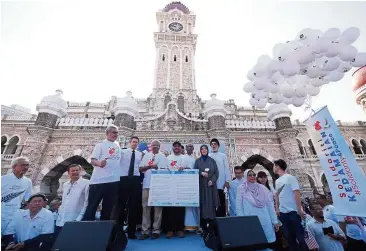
x=191, y=242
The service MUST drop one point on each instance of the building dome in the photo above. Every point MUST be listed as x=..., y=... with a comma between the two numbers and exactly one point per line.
x=215, y=107
x=126, y=105
x=359, y=78
x=176, y=5
x=53, y=104
x=276, y=111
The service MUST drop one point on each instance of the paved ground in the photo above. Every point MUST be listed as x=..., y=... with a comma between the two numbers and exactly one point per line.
x=191, y=242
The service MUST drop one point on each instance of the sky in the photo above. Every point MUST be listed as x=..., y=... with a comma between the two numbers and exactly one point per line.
x=93, y=50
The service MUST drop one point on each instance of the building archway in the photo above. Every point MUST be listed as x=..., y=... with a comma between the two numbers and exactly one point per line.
x=257, y=159
x=325, y=184
x=50, y=183
x=312, y=184
x=356, y=147
x=4, y=139
x=312, y=148
x=363, y=145
x=301, y=147
x=12, y=146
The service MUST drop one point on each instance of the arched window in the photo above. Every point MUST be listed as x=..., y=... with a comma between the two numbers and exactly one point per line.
x=12, y=146
x=3, y=142
x=356, y=147
x=181, y=103
x=186, y=59
x=175, y=58
x=363, y=145
x=167, y=99
x=163, y=58
x=311, y=146
x=301, y=147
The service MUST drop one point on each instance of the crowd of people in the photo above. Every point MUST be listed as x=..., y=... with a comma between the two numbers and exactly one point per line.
x=120, y=185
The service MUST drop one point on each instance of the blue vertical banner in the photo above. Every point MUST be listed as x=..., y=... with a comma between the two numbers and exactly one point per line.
x=346, y=180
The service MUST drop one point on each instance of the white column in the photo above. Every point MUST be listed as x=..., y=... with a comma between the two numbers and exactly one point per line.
x=168, y=75
x=192, y=55
x=156, y=66
x=181, y=70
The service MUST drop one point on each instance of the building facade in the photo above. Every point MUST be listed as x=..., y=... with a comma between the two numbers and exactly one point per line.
x=64, y=132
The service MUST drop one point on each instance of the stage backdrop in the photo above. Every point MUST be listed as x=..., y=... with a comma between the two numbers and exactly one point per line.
x=346, y=180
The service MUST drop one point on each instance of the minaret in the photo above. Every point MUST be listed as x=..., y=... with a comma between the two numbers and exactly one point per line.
x=50, y=109
x=175, y=45
x=280, y=114
x=359, y=86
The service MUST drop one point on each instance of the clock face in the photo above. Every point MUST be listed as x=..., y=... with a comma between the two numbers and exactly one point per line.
x=175, y=26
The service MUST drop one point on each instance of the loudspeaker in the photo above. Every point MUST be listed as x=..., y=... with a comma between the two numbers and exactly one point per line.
x=235, y=233
x=90, y=236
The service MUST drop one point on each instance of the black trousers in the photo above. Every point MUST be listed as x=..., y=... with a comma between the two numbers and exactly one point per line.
x=221, y=210
x=97, y=192
x=353, y=244
x=174, y=218
x=129, y=198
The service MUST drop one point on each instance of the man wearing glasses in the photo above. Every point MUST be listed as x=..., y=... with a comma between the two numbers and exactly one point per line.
x=224, y=175
x=104, y=181
x=74, y=198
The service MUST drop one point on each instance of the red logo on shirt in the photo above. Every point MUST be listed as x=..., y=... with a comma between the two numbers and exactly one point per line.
x=150, y=163
x=173, y=163
x=111, y=150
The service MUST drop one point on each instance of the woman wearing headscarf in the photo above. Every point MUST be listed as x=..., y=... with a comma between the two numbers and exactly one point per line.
x=253, y=199
x=208, y=175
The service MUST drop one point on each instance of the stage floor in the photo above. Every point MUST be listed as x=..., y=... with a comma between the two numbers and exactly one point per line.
x=191, y=241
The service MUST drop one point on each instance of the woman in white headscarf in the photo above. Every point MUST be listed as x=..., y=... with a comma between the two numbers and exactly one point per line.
x=253, y=199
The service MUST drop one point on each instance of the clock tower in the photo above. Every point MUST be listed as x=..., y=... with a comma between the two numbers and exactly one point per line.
x=175, y=54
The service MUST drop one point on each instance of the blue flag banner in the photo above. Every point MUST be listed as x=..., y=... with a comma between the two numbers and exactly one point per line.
x=346, y=180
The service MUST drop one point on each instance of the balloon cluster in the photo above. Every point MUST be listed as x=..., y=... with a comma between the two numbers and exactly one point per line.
x=300, y=67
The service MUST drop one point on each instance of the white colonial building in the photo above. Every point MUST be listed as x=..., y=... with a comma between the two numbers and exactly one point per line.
x=64, y=132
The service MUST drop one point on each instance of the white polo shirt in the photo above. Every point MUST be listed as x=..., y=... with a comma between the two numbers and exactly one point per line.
x=74, y=201
x=109, y=173
x=13, y=192
x=159, y=159
x=285, y=186
x=24, y=228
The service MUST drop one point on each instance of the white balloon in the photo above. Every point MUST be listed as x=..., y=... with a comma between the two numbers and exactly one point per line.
x=290, y=67
x=280, y=98
x=314, y=71
x=272, y=98
x=350, y=35
x=348, y=53
x=300, y=92
x=277, y=77
x=287, y=101
x=263, y=60
x=274, y=87
x=287, y=90
x=359, y=60
x=344, y=66
x=262, y=94
x=277, y=49
x=332, y=33
x=292, y=80
x=260, y=83
x=334, y=76
x=312, y=90
x=333, y=49
x=304, y=55
x=262, y=103
x=330, y=64
x=319, y=81
x=249, y=87
x=297, y=101
x=253, y=102
x=304, y=34
x=273, y=66
x=320, y=45
x=251, y=75
x=260, y=70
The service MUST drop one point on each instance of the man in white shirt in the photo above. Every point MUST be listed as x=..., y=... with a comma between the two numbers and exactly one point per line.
x=329, y=211
x=74, y=198
x=234, y=184
x=129, y=196
x=224, y=175
x=104, y=181
x=326, y=232
x=15, y=189
x=151, y=161
x=175, y=215
x=31, y=229
x=290, y=209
